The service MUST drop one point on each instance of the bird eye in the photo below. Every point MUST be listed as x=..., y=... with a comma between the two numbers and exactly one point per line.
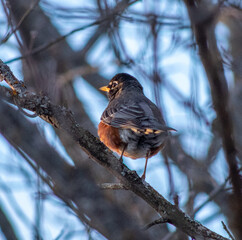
x=114, y=84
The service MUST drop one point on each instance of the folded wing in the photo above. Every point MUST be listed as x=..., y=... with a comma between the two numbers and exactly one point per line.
x=138, y=116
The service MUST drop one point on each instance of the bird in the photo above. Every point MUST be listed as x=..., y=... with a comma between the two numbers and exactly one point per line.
x=131, y=125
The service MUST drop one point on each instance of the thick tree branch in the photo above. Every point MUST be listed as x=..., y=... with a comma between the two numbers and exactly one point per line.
x=64, y=59
x=63, y=119
x=72, y=185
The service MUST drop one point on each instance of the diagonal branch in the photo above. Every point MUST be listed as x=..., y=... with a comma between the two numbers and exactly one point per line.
x=100, y=22
x=72, y=185
x=6, y=226
x=62, y=118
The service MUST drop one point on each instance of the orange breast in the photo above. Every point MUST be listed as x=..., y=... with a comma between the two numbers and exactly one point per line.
x=110, y=137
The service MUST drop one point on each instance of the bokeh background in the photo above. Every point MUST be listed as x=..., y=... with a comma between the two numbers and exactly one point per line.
x=67, y=50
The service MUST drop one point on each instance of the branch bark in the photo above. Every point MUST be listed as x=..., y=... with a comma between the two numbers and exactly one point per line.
x=62, y=118
x=72, y=185
x=56, y=61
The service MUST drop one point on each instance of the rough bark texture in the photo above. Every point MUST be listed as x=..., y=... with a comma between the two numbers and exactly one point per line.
x=62, y=118
x=50, y=68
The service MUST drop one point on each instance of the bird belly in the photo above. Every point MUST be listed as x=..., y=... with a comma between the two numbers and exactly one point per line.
x=137, y=145
x=110, y=137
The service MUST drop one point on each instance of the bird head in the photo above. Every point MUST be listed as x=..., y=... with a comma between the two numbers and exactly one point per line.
x=121, y=82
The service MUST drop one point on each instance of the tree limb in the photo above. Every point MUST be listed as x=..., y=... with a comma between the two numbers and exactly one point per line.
x=62, y=118
x=72, y=185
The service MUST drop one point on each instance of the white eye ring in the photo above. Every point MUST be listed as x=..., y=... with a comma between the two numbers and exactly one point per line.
x=114, y=84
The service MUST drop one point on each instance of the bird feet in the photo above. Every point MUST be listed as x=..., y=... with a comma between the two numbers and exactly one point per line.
x=121, y=159
x=143, y=176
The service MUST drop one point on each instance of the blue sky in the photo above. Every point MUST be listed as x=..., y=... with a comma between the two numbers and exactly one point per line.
x=178, y=67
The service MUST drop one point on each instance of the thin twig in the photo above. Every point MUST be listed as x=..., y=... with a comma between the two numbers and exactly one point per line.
x=29, y=10
x=158, y=221
x=61, y=38
x=227, y=230
x=171, y=181
x=212, y=195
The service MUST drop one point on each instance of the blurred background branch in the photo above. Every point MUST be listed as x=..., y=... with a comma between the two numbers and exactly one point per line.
x=177, y=49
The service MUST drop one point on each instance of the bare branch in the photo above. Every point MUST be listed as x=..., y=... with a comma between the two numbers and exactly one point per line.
x=68, y=183
x=63, y=37
x=227, y=230
x=6, y=226
x=204, y=33
x=28, y=11
x=45, y=46
x=158, y=221
x=63, y=119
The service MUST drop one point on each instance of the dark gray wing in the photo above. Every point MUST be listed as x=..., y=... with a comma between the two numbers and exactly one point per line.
x=134, y=115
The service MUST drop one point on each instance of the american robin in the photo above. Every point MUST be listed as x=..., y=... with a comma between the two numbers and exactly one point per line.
x=131, y=125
